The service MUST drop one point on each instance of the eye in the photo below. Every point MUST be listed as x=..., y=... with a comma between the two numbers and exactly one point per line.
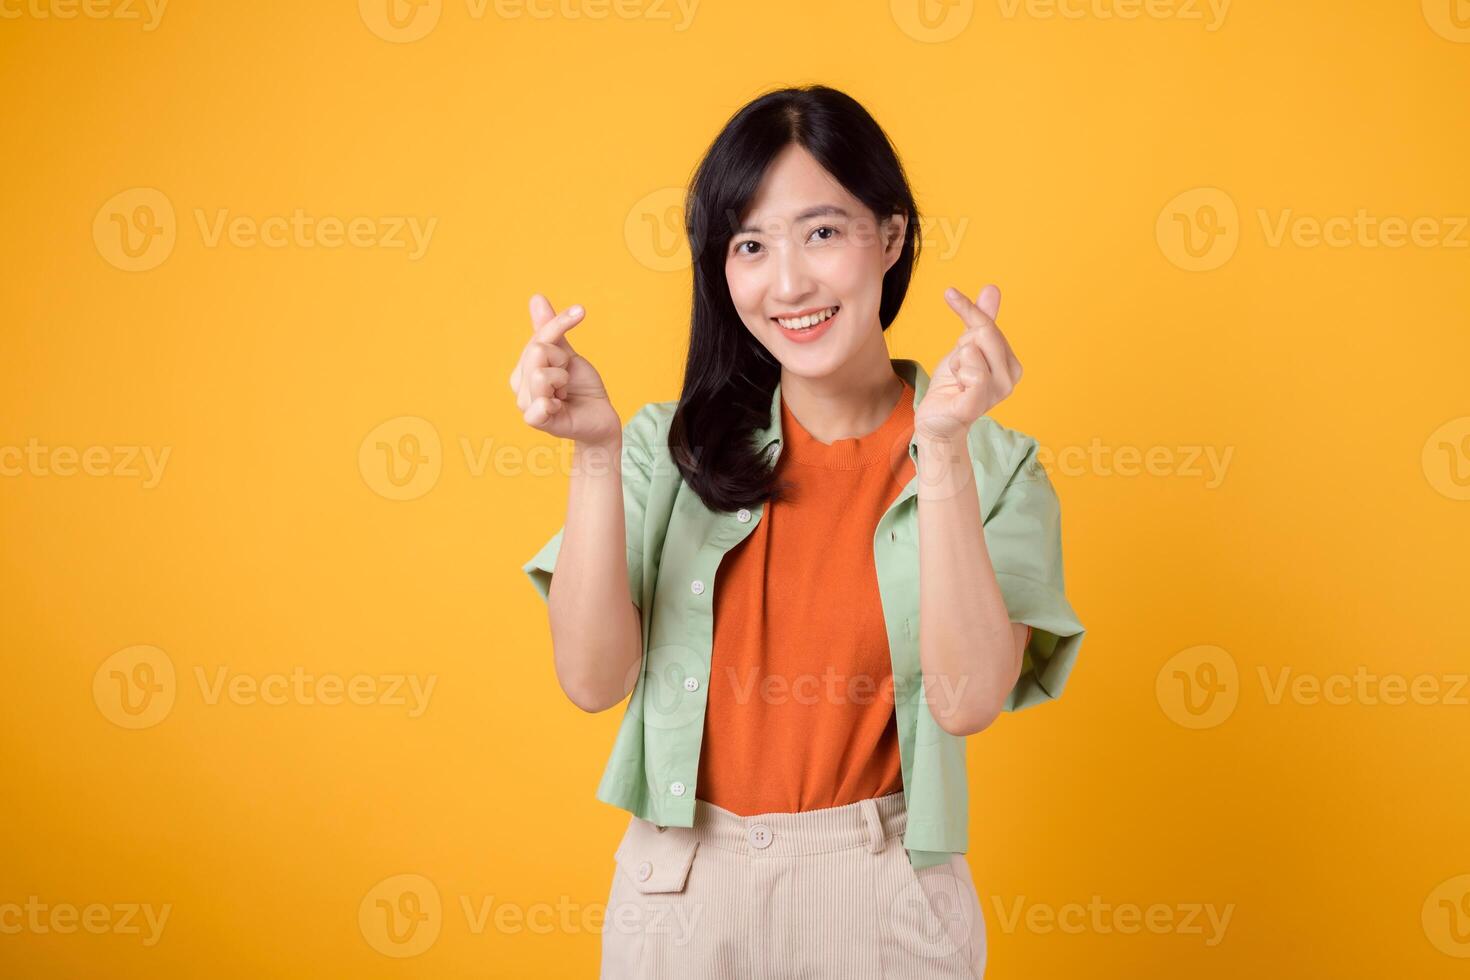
x=748, y=241
x=821, y=228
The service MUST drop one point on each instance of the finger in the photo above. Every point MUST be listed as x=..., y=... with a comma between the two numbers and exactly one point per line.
x=973, y=317
x=979, y=324
x=554, y=330
x=538, y=357
x=989, y=301
x=536, y=354
x=534, y=357
x=542, y=409
x=972, y=368
x=546, y=380
x=953, y=361
x=541, y=311
x=992, y=345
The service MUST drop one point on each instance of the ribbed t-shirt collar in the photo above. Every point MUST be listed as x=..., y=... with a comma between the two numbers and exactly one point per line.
x=856, y=452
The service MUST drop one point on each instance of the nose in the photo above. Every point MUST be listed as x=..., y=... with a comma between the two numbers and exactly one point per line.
x=793, y=282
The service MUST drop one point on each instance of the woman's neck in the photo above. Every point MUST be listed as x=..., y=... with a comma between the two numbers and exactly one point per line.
x=848, y=403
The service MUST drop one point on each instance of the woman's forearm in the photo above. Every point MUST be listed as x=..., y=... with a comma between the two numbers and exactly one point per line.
x=969, y=650
x=596, y=632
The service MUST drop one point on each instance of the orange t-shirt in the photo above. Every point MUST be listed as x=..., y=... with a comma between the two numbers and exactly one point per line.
x=800, y=712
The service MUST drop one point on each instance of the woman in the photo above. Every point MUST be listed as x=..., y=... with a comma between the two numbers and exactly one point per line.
x=793, y=753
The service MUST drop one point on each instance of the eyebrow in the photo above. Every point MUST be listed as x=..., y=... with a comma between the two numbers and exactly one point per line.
x=819, y=211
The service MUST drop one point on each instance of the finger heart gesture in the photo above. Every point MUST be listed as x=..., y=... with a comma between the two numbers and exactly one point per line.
x=974, y=377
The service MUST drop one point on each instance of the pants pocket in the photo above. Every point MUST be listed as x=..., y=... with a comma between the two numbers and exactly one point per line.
x=977, y=938
x=934, y=914
x=648, y=928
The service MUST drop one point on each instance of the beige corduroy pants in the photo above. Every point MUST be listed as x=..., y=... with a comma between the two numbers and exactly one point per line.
x=822, y=893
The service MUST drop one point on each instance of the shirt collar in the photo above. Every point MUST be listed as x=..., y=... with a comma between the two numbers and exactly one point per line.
x=911, y=371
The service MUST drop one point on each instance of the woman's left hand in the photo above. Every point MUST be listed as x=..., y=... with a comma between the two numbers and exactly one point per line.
x=974, y=377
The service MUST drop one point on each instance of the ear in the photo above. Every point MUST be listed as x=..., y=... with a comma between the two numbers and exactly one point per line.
x=895, y=227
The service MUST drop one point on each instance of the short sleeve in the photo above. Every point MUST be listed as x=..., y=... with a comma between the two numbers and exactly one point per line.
x=637, y=456
x=1024, y=537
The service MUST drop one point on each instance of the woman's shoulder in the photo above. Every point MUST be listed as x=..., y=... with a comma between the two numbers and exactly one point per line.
x=650, y=424
x=1005, y=453
x=646, y=437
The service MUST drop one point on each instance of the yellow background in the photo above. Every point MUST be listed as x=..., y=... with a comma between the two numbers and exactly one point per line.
x=544, y=148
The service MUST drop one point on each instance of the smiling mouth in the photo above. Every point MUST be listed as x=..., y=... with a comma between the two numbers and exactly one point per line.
x=802, y=323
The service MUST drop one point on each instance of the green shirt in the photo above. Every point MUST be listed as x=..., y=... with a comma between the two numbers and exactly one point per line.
x=675, y=545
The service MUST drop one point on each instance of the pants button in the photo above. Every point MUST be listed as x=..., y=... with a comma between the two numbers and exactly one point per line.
x=760, y=836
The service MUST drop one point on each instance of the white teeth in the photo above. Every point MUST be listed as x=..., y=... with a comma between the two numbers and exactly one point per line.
x=806, y=322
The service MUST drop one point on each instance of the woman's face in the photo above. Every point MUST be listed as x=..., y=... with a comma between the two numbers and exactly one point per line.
x=807, y=246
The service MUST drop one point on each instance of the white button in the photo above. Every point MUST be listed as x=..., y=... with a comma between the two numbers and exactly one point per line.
x=743, y=516
x=676, y=788
x=644, y=871
x=691, y=683
x=760, y=836
x=697, y=587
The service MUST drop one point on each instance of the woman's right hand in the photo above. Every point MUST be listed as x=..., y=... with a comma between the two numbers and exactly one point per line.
x=558, y=390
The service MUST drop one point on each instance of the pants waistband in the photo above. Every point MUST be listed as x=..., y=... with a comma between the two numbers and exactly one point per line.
x=866, y=823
